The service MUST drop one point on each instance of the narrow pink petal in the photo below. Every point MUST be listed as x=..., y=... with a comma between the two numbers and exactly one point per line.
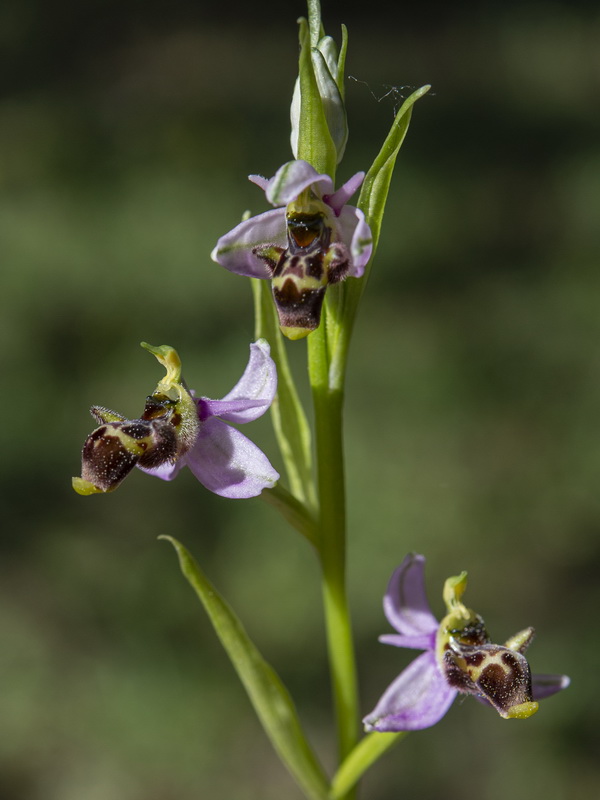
x=339, y=199
x=228, y=463
x=546, y=685
x=292, y=178
x=259, y=181
x=238, y=411
x=418, y=698
x=405, y=602
x=357, y=236
x=253, y=393
x=234, y=250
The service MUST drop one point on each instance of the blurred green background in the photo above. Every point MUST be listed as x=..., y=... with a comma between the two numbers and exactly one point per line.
x=126, y=133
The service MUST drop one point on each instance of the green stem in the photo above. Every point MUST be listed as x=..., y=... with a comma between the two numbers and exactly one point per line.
x=328, y=404
x=366, y=753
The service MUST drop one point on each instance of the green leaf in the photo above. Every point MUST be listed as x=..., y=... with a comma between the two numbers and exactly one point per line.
x=267, y=693
x=289, y=420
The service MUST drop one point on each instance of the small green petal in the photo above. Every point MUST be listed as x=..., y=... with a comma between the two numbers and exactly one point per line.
x=520, y=641
x=101, y=414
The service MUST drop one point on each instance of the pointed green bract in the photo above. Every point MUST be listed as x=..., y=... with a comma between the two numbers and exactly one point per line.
x=289, y=420
x=315, y=26
x=315, y=144
x=327, y=70
x=372, y=200
x=268, y=695
x=374, y=192
x=341, y=67
x=331, y=96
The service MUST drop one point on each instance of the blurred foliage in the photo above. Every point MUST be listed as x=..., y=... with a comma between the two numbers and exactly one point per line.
x=126, y=133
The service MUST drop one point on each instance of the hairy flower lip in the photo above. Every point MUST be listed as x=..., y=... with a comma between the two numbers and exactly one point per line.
x=177, y=429
x=422, y=694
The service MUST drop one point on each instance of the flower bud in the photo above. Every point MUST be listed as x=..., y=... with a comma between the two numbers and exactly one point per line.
x=327, y=67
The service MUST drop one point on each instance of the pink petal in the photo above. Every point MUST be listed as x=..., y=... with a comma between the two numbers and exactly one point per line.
x=339, y=199
x=546, y=685
x=292, y=178
x=259, y=181
x=228, y=463
x=418, y=698
x=424, y=641
x=357, y=236
x=253, y=393
x=405, y=602
x=165, y=472
x=234, y=250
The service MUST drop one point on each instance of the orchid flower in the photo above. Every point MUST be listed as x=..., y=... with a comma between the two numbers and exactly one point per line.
x=178, y=429
x=311, y=239
x=458, y=657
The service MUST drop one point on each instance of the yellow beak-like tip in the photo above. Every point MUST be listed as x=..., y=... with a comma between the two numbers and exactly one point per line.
x=84, y=487
x=522, y=711
x=295, y=333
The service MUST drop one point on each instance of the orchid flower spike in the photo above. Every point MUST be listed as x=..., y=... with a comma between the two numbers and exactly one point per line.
x=178, y=429
x=311, y=239
x=458, y=657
